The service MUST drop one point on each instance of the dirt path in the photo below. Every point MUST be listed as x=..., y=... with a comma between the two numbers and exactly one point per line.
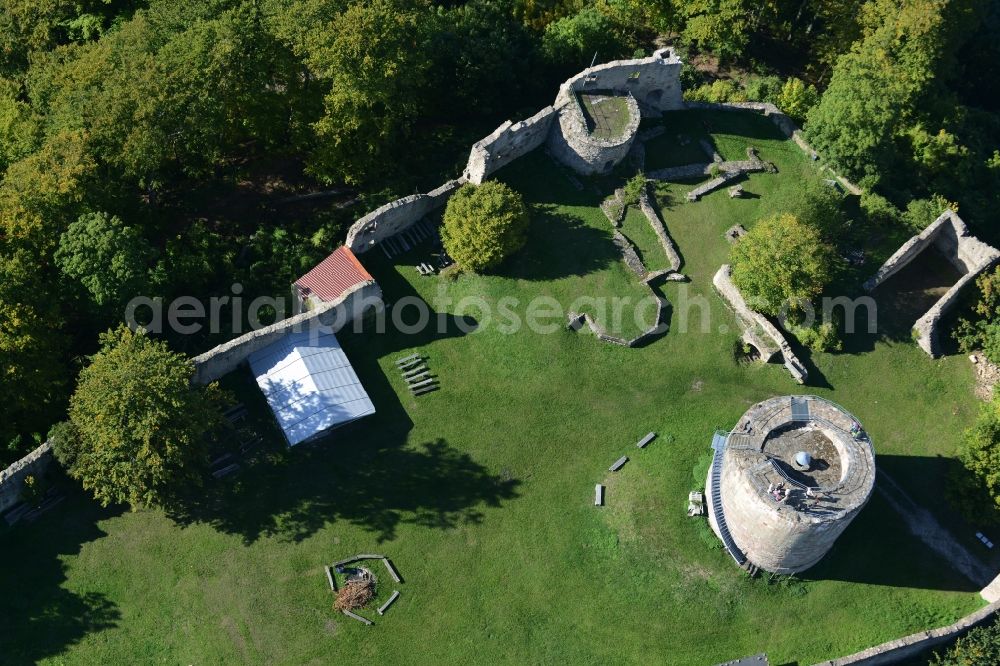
x=925, y=526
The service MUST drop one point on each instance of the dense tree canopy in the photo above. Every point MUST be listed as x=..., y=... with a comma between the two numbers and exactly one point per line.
x=141, y=425
x=106, y=256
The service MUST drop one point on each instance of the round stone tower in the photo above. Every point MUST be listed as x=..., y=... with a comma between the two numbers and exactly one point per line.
x=787, y=481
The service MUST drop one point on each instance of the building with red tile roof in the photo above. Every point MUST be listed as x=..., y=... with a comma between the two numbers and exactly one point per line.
x=330, y=278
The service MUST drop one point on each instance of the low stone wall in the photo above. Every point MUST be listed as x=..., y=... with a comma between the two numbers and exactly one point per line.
x=754, y=321
x=970, y=256
x=225, y=358
x=393, y=217
x=895, y=651
x=12, y=478
x=576, y=322
x=782, y=121
x=645, y=205
x=507, y=143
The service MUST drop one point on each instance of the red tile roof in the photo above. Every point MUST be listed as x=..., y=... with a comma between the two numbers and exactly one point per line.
x=333, y=276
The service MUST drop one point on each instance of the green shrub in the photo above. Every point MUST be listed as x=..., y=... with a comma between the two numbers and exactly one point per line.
x=65, y=443
x=33, y=490
x=980, y=328
x=763, y=89
x=819, y=338
x=717, y=92
x=484, y=224
x=980, y=647
x=921, y=212
x=633, y=189
x=796, y=98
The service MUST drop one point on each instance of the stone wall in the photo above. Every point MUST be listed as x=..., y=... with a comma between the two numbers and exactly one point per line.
x=908, y=647
x=757, y=323
x=12, y=478
x=782, y=121
x=393, y=217
x=970, y=256
x=223, y=359
x=654, y=81
x=507, y=143
x=577, y=148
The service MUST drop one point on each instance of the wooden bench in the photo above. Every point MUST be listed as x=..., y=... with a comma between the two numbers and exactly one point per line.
x=414, y=371
x=358, y=617
x=646, y=440
x=426, y=389
x=419, y=377
x=618, y=464
x=392, y=570
x=388, y=602
x=406, y=359
x=425, y=382
x=598, y=495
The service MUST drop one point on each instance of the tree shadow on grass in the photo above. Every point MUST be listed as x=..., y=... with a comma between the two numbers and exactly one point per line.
x=42, y=618
x=561, y=245
x=365, y=472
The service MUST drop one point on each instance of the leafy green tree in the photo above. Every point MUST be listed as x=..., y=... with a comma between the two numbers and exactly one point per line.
x=484, y=224
x=796, y=98
x=979, y=647
x=141, y=424
x=878, y=88
x=108, y=257
x=572, y=41
x=781, y=262
x=980, y=328
x=65, y=443
x=376, y=60
x=723, y=26
x=32, y=351
x=18, y=125
x=976, y=490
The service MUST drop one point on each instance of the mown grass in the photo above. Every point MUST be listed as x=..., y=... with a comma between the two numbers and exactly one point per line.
x=482, y=492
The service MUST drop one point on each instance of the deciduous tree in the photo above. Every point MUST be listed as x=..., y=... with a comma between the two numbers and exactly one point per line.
x=484, y=224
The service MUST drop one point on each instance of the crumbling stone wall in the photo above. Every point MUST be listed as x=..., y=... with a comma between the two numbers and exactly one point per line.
x=577, y=148
x=757, y=324
x=351, y=305
x=654, y=82
x=969, y=255
x=507, y=143
x=12, y=478
x=395, y=216
x=652, y=86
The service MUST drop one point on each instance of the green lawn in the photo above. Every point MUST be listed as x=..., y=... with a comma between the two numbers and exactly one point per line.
x=482, y=492
x=607, y=116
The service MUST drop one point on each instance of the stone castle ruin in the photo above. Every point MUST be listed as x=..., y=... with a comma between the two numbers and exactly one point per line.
x=949, y=235
x=787, y=481
x=644, y=86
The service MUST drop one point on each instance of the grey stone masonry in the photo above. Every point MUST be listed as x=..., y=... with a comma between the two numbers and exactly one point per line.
x=898, y=650
x=333, y=315
x=507, y=143
x=969, y=255
x=659, y=228
x=12, y=478
x=577, y=148
x=757, y=324
x=396, y=216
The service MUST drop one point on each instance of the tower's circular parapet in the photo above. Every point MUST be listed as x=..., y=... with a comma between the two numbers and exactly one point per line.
x=791, y=476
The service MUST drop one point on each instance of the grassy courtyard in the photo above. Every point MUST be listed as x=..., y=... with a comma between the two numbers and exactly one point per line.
x=482, y=492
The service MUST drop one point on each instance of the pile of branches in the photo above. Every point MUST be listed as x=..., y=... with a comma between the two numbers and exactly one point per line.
x=354, y=594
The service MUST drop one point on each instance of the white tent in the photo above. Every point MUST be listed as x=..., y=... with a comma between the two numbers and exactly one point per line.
x=309, y=384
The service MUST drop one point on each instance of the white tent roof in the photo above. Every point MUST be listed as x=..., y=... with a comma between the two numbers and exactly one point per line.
x=309, y=384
